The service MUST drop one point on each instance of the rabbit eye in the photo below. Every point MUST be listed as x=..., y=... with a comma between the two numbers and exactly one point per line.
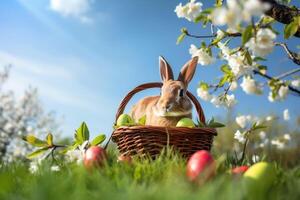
x=181, y=93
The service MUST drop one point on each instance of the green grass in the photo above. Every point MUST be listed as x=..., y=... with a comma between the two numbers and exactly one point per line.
x=163, y=178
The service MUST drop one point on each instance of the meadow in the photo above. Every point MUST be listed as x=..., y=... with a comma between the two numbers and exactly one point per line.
x=162, y=178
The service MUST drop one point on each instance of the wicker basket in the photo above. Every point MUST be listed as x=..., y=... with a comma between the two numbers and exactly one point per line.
x=150, y=140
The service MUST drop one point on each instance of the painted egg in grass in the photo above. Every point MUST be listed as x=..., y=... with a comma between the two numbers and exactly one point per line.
x=240, y=169
x=200, y=166
x=94, y=156
x=260, y=177
x=124, y=159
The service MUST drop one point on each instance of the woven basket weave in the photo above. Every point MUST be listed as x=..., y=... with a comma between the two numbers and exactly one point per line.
x=150, y=140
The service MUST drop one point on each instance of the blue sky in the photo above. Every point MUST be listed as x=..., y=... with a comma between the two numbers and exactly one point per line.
x=84, y=60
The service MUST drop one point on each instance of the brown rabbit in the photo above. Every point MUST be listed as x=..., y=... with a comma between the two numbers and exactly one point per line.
x=173, y=103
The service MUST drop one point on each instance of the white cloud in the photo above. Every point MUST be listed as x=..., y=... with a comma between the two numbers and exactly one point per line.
x=37, y=68
x=73, y=8
x=47, y=77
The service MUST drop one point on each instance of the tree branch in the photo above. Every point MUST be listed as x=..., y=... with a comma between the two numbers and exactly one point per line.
x=272, y=78
x=288, y=73
x=292, y=55
x=200, y=36
x=282, y=13
x=212, y=36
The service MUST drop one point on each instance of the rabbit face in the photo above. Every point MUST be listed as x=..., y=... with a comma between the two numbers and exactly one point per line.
x=173, y=100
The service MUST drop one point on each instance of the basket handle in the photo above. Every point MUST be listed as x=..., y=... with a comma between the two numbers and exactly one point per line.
x=157, y=85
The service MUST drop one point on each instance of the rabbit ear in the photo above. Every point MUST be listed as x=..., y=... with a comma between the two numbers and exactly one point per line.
x=188, y=70
x=166, y=72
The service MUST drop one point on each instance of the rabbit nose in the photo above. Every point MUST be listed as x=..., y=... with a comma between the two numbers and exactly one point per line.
x=168, y=106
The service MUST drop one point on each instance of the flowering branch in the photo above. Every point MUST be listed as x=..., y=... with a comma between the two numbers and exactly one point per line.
x=292, y=55
x=81, y=141
x=212, y=36
x=272, y=78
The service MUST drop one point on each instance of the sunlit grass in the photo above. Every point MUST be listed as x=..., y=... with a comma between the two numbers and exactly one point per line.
x=163, y=178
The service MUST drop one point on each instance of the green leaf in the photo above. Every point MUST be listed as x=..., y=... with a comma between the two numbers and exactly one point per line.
x=219, y=3
x=34, y=141
x=259, y=59
x=267, y=20
x=262, y=69
x=222, y=81
x=203, y=85
x=98, y=140
x=216, y=125
x=290, y=29
x=247, y=34
x=82, y=133
x=200, y=18
x=201, y=124
x=180, y=38
x=37, y=153
x=142, y=120
x=216, y=40
x=225, y=68
x=207, y=11
x=248, y=58
x=49, y=139
x=256, y=127
x=69, y=148
x=212, y=120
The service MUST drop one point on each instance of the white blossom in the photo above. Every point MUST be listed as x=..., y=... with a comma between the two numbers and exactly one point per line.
x=204, y=94
x=241, y=121
x=270, y=97
x=286, y=115
x=226, y=101
x=216, y=101
x=233, y=86
x=240, y=137
x=33, y=167
x=220, y=33
x=55, y=168
x=264, y=143
x=269, y=118
x=295, y=83
x=263, y=43
x=230, y=100
x=262, y=135
x=250, y=86
x=230, y=15
x=83, y=146
x=255, y=158
x=279, y=144
x=287, y=136
x=190, y=11
x=255, y=7
x=245, y=121
x=74, y=156
x=180, y=11
x=203, y=57
x=224, y=50
x=283, y=91
x=237, y=64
